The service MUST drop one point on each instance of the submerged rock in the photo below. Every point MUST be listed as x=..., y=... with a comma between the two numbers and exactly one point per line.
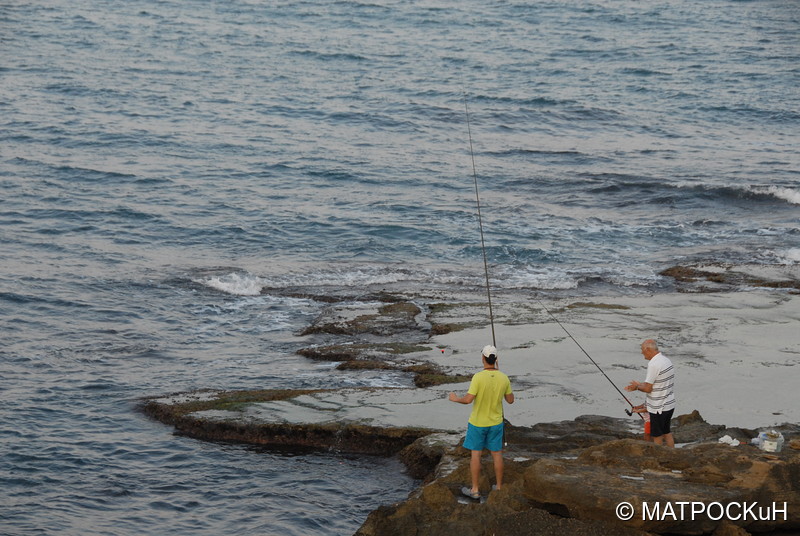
x=386, y=320
x=713, y=277
x=376, y=335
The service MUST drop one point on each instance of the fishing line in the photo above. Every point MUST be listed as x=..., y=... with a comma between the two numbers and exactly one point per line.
x=480, y=219
x=486, y=272
x=486, y=266
x=590, y=358
x=483, y=245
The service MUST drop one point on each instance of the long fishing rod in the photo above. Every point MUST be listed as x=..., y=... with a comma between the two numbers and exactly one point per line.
x=483, y=246
x=486, y=269
x=590, y=358
x=480, y=220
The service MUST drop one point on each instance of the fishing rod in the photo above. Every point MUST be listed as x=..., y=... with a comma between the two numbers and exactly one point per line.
x=590, y=358
x=486, y=268
x=480, y=219
x=483, y=245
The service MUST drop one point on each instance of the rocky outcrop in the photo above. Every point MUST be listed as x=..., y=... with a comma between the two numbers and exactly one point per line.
x=376, y=335
x=566, y=477
x=387, y=320
x=227, y=416
x=658, y=481
x=717, y=276
x=570, y=477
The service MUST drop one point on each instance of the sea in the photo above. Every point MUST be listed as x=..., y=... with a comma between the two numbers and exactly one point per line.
x=181, y=181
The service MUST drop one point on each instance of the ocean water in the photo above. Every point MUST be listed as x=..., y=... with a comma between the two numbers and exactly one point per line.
x=175, y=174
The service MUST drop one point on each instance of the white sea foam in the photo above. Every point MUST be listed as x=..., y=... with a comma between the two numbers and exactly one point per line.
x=787, y=194
x=554, y=279
x=344, y=276
x=789, y=256
x=238, y=284
x=790, y=195
x=558, y=279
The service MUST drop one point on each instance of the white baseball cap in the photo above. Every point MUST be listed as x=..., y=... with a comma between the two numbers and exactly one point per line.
x=489, y=350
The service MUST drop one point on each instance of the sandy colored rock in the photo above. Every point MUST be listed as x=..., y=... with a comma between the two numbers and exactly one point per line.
x=591, y=486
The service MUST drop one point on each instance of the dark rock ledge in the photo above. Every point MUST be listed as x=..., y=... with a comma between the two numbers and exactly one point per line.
x=378, y=332
x=715, y=277
x=223, y=416
x=561, y=478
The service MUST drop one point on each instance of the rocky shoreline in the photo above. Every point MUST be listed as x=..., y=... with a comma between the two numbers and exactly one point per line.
x=577, y=489
x=561, y=477
x=567, y=476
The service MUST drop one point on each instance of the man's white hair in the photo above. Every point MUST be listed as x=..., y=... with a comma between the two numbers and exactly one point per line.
x=650, y=344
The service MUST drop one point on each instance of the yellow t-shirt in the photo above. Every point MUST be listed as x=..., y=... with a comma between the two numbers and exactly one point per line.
x=489, y=388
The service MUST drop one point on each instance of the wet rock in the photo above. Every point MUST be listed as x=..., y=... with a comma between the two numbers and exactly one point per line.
x=362, y=331
x=723, y=276
x=386, y=321
x=352, y=358
x=224, y=416
x=361, y=351
x=366, y=364
x=427, y=375
x=447, y=327
x=331, y=353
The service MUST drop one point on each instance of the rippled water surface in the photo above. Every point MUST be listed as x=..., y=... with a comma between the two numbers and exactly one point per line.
x=170, y=169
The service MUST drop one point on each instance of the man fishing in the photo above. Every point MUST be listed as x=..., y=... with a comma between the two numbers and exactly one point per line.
x=487, y=390
x=660, y=396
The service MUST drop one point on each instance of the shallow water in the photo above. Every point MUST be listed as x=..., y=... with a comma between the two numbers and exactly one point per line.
x=164, y=163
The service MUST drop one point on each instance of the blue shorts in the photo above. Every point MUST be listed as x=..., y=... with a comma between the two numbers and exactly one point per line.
x=484, y=437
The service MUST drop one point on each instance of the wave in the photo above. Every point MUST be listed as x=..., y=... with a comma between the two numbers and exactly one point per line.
x=243, y=283
x=787, y=194
x=793, y=255
x=754, y=113
x=788, y=256
x=659, y=190
x=67, y=171
x=235, y=283
x=756, y=193
x=330, y=56
x=561, y=279
x=361, y=278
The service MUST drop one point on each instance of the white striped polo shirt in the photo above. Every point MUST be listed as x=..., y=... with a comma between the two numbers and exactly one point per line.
x=661, y=374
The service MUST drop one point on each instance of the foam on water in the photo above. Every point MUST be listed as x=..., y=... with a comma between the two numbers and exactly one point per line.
x=236, y=283
x=787, y=194
x=789, y=256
